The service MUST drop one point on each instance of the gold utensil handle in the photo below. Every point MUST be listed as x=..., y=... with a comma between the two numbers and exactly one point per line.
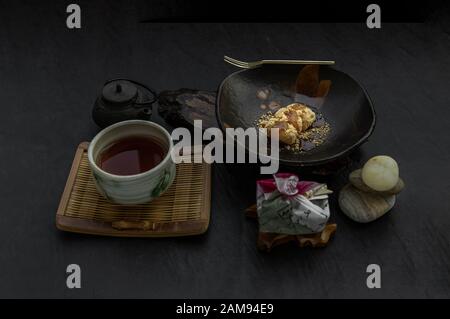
x=298, y=62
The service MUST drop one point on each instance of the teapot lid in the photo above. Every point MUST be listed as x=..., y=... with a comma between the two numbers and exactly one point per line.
x=119, y=92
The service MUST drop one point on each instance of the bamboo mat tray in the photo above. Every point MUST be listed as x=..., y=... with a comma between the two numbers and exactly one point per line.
x=184, y=209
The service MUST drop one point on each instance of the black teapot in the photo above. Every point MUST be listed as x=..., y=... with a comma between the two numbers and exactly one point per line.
x=123, y=99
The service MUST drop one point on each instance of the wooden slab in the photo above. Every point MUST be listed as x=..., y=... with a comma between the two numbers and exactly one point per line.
x=183, y=210
x=182, y=107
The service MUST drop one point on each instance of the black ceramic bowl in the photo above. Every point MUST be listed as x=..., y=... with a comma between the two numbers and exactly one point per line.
x=347, y=108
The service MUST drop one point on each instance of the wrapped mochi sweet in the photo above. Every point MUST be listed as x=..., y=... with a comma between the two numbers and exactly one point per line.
x=286, y=205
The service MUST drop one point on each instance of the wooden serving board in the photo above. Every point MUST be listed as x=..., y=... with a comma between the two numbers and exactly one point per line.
x=183, y=210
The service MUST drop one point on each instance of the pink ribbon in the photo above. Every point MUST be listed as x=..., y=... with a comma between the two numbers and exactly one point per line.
x=286, y=183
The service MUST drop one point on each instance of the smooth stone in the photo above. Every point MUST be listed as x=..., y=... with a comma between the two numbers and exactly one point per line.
x=364, y=207
x=356, y=180
x=380, y=173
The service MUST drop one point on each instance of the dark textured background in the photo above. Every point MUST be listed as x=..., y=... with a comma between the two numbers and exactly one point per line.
x=50, y=76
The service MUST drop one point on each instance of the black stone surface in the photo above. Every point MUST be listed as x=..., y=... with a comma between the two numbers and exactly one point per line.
x=50, y=76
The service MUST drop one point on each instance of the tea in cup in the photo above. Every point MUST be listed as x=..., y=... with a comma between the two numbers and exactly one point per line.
x=131, y=161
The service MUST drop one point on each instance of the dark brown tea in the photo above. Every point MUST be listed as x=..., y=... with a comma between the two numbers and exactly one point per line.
x=131, y=155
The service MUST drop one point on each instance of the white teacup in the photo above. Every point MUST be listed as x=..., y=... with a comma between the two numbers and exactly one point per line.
x=139, y=188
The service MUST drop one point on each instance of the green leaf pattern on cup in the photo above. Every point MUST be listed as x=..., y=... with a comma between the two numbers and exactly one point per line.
x=100, y=180
x=163, y=183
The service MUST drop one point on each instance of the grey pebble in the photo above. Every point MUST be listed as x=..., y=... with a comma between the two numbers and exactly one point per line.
x=364, y=207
